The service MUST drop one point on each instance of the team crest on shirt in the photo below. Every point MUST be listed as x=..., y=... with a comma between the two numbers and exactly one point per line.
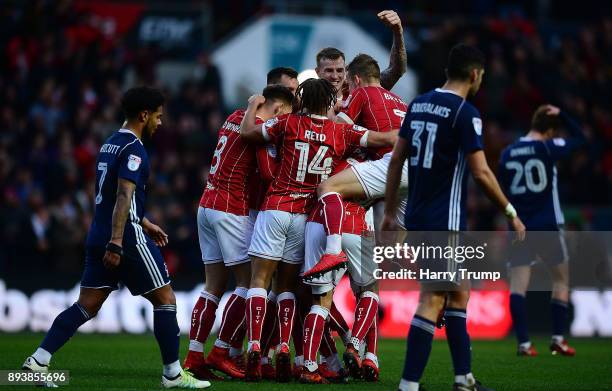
x=133, y=162
x=271, y=122
x=477, y=122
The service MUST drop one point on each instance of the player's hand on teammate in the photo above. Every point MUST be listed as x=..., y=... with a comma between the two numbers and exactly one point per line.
x=156, y=234
x=391, y=19
x=552, y=110
x=519, y=228
x=256, y=100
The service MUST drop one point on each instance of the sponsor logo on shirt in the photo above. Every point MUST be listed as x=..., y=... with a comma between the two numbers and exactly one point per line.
x=477, y=122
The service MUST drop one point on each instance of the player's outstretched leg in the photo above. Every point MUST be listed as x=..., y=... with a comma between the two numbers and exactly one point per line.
x=559, y=309
x=64, y=326
x=167, y=334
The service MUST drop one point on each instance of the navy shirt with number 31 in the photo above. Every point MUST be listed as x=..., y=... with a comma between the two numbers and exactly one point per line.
x=442, y=128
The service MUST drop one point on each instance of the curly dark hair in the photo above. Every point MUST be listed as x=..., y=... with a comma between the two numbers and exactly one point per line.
x=315, y=95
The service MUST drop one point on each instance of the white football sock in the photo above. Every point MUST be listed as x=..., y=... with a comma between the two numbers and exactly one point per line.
x=42, y=356
x=172, y=370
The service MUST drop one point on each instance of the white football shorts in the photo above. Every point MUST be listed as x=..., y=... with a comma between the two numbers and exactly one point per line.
x=279, y=236
x=224, y=237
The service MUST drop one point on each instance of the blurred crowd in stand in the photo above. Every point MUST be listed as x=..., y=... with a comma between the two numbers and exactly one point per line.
x=59, y=99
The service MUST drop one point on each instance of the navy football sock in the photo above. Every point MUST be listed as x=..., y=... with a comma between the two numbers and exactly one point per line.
x=458, y=340
x=558, y=310
x=519, y=317
x=418, y=347
x=64, y=326
x=166, y=332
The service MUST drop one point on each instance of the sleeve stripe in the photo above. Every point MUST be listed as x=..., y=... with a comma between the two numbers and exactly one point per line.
x=264, y=132
x=344, y=117
x=127, y=145
x=363, y=141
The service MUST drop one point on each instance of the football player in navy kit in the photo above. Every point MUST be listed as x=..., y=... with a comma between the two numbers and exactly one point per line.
x=528, y=174
x=122, y=244
x=441, y=138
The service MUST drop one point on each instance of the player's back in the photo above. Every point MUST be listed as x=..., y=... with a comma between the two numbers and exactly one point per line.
x=441, y=128
x=309, y=146
x=528, y=175
x=232, y=165
x=377, y=109
x=121, y=156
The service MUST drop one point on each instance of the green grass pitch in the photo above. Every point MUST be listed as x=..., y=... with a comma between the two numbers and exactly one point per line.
x=132, y=362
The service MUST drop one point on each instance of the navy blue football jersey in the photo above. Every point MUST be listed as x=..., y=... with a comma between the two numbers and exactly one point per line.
x=528, y=175
x=442, y=129
x=121, y=156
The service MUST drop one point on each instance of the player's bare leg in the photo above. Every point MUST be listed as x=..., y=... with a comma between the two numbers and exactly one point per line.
x=286, y=281
x=331, y=193
x=519, y=282
x=558, y=305
x=64, y=326
x=167, y=333
x=261, y=276
x=232, y=322
x=314, y=326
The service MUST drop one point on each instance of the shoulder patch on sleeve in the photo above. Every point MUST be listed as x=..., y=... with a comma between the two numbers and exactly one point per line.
x=559, y=142
x=477, y=122
x=133, y=162
x=271, y=122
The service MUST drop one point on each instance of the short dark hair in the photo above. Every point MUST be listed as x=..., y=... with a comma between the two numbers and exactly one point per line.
x=542, y=121
x=462, y=59
x=364, y=66
x=139, y=99
x=275, y=74
x=330, y=53
x=279, y=93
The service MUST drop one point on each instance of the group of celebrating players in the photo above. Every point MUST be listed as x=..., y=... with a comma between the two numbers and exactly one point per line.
x=286, y=210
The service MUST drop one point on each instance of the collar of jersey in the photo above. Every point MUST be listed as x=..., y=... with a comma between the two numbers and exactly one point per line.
x=448, y=92
x=124, y=130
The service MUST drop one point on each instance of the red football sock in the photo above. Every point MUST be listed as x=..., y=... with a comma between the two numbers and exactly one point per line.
x=255, y=313
x=298, y=333
x=286, y=311
x=233, y=316
x=333, y=210
x=328, y=344
x=314, y=326
x=371, y=338
x=270, y=327
x=365, y=313
x=202, y=320
x=338, y=324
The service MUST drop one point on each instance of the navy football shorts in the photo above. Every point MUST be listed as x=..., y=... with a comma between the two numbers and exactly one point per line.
x=142, y=269
x=545, y=246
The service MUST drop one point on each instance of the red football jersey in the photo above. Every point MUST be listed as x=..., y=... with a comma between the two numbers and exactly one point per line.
x=354, y=214
x=233, y=164
x=309, y=146
x=377, y=109
x=260, y=180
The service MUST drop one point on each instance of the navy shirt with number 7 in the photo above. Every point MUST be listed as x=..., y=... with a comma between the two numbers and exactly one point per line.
x=121, y=156
x=442, y=128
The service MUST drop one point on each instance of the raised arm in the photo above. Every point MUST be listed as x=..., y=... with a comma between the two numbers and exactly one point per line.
x=249, y=130
x=398, y=63
x=125, y=192
x=485, y=178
